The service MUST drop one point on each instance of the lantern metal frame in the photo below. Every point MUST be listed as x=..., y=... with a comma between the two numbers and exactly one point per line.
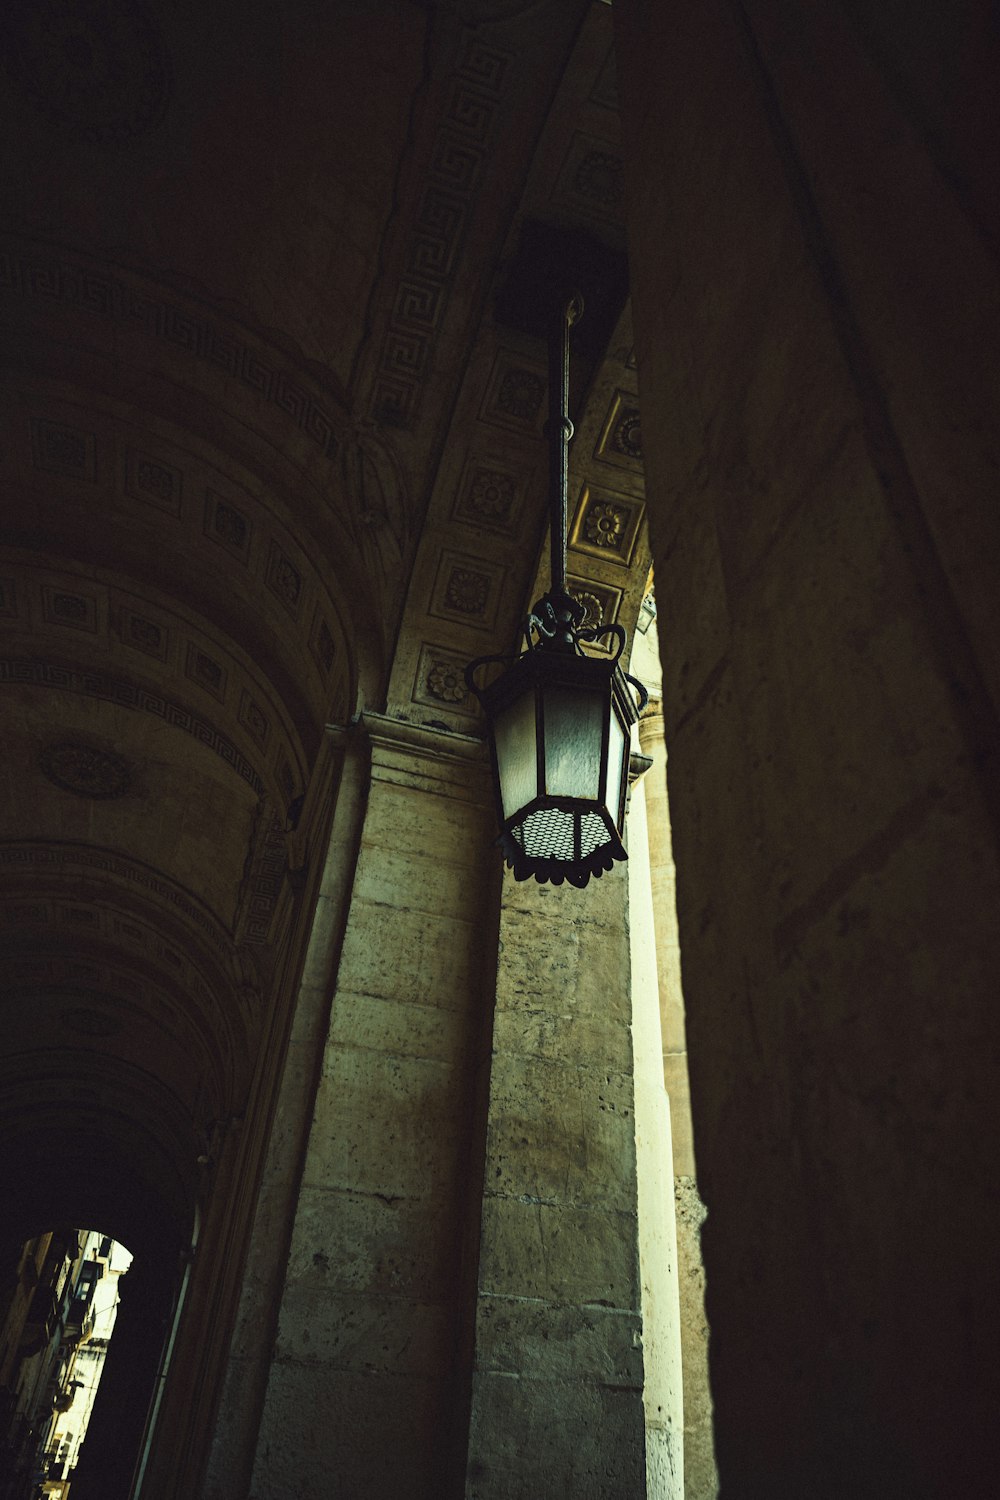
x=553, y=659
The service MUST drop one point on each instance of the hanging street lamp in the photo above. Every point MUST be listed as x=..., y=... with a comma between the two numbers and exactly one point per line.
x=559, y=721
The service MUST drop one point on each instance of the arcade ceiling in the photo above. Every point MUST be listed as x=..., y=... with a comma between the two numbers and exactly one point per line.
x=270, y=455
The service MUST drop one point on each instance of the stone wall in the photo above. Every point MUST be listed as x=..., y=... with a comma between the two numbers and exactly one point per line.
x=814, y=300
x=361, y=1398
x=461, y=1307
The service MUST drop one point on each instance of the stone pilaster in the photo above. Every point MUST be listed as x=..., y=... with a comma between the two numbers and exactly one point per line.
x=558, y=1371
x=664, y=1396
x=700, y=1477
x=363, y=1388
x=247, y=1366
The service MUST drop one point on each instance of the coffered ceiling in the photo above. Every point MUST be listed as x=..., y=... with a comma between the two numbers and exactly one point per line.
x=272, y=450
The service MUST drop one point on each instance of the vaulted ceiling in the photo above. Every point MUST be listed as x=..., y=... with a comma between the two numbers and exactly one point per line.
x=270, y=454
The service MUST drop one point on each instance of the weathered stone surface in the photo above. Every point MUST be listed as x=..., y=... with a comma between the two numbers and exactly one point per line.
x=272, y=469
x=585, y=974
x=318, y=1430
x=597, y=905
x=540, y=1032
x=371, y=1306
x=833, y=773
x=542, y=1437
x=405, y=955
x=373, y=1334
x=560, y=1253
x=447, y=829
x=678, y=1087
x=692, y=1471
x=414, y=882
x=558, y=1318
x=386, y=1123
x=372, y=1242
x=562, y=1134
x=663, y=1397
x=701, y=1480
x=367, y=1022
x=537, y=1340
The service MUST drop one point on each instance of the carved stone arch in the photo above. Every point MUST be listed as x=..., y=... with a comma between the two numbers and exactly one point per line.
x=195, y=384
x=80, y=922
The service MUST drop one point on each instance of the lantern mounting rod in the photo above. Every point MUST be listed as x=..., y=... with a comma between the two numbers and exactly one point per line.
x=560, y=719
x=559, y=430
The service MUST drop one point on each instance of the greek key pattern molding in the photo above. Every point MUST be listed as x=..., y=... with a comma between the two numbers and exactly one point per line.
x=32, y=673
x=107, y=297
x=72, y=856
x=462, y=144
x=103, y=919
x=266, y=880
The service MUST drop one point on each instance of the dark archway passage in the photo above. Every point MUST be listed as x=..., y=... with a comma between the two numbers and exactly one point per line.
x=112, y=1451
x=76, y=1174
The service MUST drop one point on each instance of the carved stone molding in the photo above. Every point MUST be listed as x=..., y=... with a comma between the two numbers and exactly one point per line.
x=440, y=681
x=153, y=482
x=86, y=771
x=466, y=589
x=59, y=449
x=263, y=881
x=254, y=719
x=606, y=525
x=490, y=495
x=43, y=276
x=170, y=663
x=31, y=672
x=515, y=395
x=109, y=942
x=620, y=442
x=591, y=181
x=78, y=610
x=68, y=860
x=226, y=524
x=284, y=580
x=465, y=135
x=209, y=674
x=322, y=644
x=600, y=601
x=143, y=634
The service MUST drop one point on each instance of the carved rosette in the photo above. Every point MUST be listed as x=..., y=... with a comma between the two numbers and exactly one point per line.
x=85, y=771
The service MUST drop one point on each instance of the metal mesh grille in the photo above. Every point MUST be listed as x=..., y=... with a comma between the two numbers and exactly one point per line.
x=549, y=833
x=593, y=833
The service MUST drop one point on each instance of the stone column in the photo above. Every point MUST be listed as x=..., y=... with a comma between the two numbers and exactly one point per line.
x=365, y=1395
x=812, y=247
x=700, y=1477
x=557, y=1382
x=664, y=1395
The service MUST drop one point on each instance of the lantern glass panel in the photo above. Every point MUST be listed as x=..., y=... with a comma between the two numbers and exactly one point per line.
x=517, y=759
x=573, y=723
x=616, y=764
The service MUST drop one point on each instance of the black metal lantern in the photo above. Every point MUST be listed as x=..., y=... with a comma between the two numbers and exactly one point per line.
x=560, y=721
